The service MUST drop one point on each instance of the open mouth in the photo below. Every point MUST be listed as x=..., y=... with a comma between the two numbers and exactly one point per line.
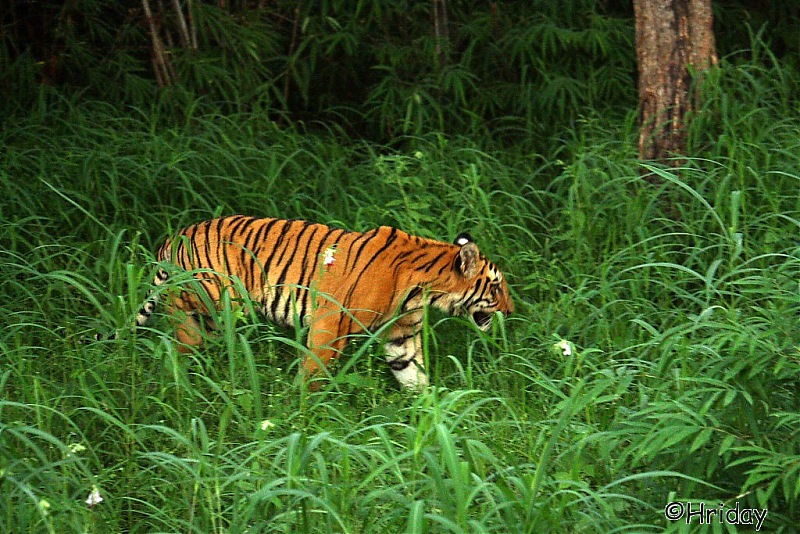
x=482, y=319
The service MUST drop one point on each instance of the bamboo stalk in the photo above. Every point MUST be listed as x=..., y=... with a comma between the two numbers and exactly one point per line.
x=183, y=29
x=166, y=36
x=192, y=25
x=292, y=47
x=441, y=30
x=161, y=66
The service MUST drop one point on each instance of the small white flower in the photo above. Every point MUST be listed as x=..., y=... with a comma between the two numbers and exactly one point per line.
x=266, y=424
x=94, y=497
x=44, y=506
x=328, y=258
x=565, y=346
x=75, y=448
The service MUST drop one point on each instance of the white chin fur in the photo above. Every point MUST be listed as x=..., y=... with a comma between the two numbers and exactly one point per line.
x=411, y=378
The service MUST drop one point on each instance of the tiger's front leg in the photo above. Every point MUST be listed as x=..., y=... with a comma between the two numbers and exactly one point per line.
x=405, y=358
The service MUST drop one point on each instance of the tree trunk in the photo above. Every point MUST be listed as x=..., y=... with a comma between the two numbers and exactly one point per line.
x=674, y=41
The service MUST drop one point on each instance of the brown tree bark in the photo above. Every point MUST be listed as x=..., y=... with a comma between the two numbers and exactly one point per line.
x=674, y=40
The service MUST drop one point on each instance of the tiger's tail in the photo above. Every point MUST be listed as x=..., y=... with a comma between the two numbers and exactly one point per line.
x=142, y=316
x=150, y=304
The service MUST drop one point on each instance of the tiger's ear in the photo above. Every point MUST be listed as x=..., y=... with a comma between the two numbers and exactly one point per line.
x=468, y=259
x=462, y=239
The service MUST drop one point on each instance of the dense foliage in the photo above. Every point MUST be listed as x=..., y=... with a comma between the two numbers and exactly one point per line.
x=653, y=356
x=369, y=65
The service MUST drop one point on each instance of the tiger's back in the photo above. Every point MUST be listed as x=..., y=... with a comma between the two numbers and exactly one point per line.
x=274, y=259
x=337, y=282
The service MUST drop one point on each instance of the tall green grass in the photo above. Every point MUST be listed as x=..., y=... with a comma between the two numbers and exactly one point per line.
x=653, y=356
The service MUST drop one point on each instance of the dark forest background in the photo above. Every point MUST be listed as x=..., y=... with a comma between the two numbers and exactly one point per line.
x=377, y=70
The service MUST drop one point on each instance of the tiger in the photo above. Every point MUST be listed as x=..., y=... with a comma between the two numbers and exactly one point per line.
x=333, y=281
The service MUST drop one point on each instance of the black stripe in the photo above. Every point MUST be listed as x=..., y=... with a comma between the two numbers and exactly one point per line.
x=229, y=244
x=284, y=231
x=361, y=271
x=366, y=237
x=400, y=259
x=215, y=228
x=469, y=298
x=428, y=265
x=312, y=270
x=181, y=249
x=195, y=255
x=262, y=236
x=260, y=241
x=290, y=243
x=399, y=365
x=411, y=294
x=399, y=341
x=272, y=294
x=420, y=253
x=226, y=241
x=212, y=231
x=247, y=265
x=207, y=247
x=310, y=266
x=235, y=226
x=189, y=243
x=304, y=249
x=389, y=240
x=446, y=266
x=246, y=259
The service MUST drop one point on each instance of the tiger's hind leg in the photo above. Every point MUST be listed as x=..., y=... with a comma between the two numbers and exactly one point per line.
x=188, y=332
x=327, y=338
x=325, y=342
x=188, y=329
x=405, y=359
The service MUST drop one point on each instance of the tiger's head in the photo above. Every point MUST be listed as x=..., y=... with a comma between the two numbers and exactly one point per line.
x=482, y=287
